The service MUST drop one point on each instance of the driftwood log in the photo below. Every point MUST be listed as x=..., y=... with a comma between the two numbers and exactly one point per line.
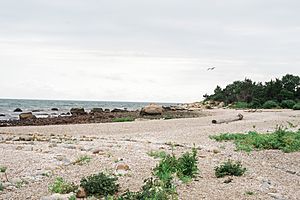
x=232, y=119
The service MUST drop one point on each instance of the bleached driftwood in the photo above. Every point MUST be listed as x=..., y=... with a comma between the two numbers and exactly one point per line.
x=232, y=119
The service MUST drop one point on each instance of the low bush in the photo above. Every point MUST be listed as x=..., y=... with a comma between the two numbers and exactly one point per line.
x=229, y=168
x=62, y=187
x=287, y=141
x=296, y=106
x=100, y=184
x=288, y=104
x=1, y=187
x=240, y=105
x=270, y=104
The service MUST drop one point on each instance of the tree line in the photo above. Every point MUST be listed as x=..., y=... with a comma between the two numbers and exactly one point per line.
x=247, y=93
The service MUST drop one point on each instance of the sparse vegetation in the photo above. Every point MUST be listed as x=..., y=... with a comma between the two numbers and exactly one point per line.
x=123, y=119
x=157, y=154
x=229, y=168
x=249, y=193
x=73, y=197
x=83, y=160
x=1, y=186
x=287, y=141
x=240, y=105
x=100, y=184
x=62, y=187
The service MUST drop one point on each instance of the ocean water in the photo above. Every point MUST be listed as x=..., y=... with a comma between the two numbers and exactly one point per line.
x=7, y=106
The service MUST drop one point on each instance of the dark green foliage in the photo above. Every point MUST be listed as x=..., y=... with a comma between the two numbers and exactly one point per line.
x=185, y=167
x=281, y=139
x=100, y=184
x=123, y=119
x=296, y=106
x=256, y=94
x=1, y=187
x=229, y=168
x=62, y=187
x=241, y=105
x=270, y=104
x=288, y=104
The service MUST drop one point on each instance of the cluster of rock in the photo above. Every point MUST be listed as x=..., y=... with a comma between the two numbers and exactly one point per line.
x=100, y=115
x=204, y=105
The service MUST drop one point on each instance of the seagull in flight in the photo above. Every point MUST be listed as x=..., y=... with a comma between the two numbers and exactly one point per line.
x=211, y=68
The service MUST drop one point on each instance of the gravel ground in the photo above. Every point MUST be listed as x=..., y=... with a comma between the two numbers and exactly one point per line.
x=33, y=165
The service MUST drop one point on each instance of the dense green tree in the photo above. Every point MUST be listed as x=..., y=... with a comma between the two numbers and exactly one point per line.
x=256, y=94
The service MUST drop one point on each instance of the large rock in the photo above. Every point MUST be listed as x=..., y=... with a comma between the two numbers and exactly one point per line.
x=81, y=193
x=27, y=116
x=96, y=110
x=77, y=111
x=152, y=109
x=118, y=110
x=54, y=109
x=18, y=110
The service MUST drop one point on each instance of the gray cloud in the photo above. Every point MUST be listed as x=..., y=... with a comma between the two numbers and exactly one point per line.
x=143, y=50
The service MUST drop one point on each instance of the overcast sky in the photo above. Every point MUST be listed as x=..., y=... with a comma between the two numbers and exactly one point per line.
x=143, y=50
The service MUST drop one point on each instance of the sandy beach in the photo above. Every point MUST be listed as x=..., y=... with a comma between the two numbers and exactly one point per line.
x=271, y=174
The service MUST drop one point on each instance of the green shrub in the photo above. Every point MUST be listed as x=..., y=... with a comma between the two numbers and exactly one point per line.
x=240, y=105
x=73, y=197
x=100, y=184
x=62, y=187
x=123, y=119
x=270, y=104
x=3, y=169
x=296, y=106
x=288, y=104
x=281, y=139
x=1, y=187
x=229, y=168
x=185, y=167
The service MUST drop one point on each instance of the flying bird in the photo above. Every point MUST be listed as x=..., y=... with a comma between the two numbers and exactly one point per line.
x=211, y=68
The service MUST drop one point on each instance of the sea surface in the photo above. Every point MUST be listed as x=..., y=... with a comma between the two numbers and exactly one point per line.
x=43, y=108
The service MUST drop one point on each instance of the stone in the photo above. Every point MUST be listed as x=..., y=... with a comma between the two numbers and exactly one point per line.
x=96, y=110
x=122, y=167
x=2, y=115
x=18, y=110
x=118, y=110
x=54, y=109
x=77, y=111
x=107, y=110
x=57, y=197
x=152, y=109
x=27, y=116
x=81, y=193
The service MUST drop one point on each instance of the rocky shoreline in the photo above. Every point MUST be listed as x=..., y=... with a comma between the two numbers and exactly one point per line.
x=99, y=115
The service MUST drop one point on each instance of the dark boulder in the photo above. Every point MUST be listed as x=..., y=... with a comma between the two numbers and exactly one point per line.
x=96, y=110
x=107, y=110
x=2, y=115
x=77, y=111
x=118, y=110
x=54, y=109
x=18, y=110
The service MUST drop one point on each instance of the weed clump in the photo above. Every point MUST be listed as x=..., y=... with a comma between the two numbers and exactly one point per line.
x=83, y=160
x=100, y=184
x=62, y=187
x=229, y=168
x=157, y=154
x=284, y=140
